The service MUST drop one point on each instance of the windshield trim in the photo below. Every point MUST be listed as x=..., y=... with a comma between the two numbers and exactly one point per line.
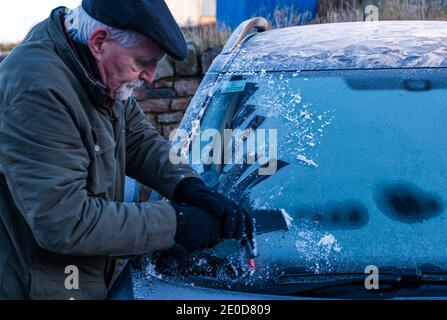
x=253, y=72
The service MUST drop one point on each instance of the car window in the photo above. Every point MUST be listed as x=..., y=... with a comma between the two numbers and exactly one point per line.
x=360, y=166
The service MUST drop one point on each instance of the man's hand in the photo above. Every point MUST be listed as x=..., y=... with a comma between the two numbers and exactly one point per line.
x=237, y=222
x=197, y=229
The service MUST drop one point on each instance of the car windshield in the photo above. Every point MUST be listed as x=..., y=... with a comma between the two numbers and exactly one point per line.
x=360, y=158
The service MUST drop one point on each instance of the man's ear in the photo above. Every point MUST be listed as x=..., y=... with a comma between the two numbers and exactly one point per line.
x=97, y=40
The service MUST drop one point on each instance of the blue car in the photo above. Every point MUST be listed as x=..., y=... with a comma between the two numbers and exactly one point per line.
x=354, y=121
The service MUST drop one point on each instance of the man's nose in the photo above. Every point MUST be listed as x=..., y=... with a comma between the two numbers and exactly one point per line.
x=148, y=75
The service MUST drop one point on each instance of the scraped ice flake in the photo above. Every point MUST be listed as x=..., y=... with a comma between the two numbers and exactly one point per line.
x=202, y=262
x=150, y=271
x=328, y=241
x=307, y=161
x=296, y=98
x=304, y=114
x=318, y=249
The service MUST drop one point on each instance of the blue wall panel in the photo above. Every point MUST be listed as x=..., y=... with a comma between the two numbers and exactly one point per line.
x=232, y=12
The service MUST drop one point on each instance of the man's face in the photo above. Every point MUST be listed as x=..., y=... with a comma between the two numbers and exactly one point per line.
x=123, y=69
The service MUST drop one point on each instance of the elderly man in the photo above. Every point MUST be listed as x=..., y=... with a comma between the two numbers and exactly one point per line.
x=70, y=132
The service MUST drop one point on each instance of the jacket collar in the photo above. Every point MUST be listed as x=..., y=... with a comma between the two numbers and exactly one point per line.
x=68, y=53
x=87, y=59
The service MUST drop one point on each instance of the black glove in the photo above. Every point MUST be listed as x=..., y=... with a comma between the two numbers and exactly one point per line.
x=237, y=222
x=197, y=229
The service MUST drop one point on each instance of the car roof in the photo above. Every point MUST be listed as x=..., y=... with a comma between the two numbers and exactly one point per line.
x=351, y=45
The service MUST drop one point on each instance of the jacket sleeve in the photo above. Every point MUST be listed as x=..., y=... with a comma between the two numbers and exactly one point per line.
x=45, y=166
x=147, y=155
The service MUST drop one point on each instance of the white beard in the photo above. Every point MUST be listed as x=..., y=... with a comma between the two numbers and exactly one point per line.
x=126, y=90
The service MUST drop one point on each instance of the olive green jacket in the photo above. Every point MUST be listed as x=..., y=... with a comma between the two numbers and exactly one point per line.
x=65, y=149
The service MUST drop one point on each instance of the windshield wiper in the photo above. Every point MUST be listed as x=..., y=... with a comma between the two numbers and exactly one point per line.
x=389, y=281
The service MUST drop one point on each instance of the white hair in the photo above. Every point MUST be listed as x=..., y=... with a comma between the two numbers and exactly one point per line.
x=81, y=26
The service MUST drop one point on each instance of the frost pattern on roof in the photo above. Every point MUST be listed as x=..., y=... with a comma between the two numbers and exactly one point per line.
x=353, y=45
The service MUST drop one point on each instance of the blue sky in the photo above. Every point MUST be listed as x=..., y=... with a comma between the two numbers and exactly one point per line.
x=18, y=16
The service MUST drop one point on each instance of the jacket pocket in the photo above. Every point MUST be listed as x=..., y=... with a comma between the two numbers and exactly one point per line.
x=49, y=280
x=103, y=165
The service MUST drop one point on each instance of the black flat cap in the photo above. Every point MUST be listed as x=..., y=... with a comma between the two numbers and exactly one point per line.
x=151, y=18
